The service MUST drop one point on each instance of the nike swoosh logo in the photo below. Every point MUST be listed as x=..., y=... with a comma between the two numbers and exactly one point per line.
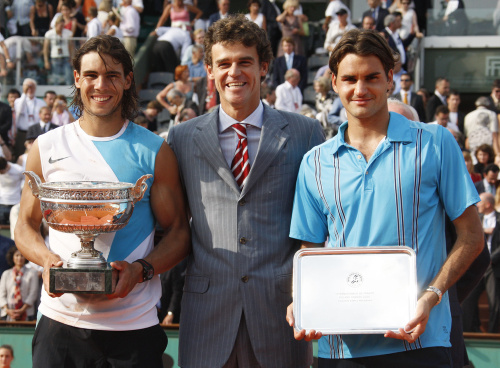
x=51, y=161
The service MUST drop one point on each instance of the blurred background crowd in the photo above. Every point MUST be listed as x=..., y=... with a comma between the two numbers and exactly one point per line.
x=39, y=37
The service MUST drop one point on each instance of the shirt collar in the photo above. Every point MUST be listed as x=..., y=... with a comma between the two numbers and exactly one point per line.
x=398, y=131
x=254, y=119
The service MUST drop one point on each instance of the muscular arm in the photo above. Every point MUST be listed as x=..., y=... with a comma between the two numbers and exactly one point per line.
x=469, y=244
x=28, y=238
x=167, y=202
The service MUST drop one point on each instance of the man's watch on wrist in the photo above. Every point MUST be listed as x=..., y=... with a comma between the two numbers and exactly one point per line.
x=438, y=292
x=147, y=270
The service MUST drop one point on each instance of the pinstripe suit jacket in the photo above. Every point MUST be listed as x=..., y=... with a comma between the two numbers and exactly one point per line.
x=241, y=260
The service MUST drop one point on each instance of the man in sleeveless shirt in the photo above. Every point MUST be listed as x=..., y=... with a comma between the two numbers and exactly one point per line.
x=120, y=329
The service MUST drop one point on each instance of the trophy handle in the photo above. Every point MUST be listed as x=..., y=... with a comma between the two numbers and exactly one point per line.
x=34, y=182
x=140, y=188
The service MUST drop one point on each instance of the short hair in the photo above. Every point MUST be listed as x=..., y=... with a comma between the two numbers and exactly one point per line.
x=140, y=120
x=324, y=82
x=8, y=347
x=362, y=42
x=289, y=3
x=14, y=91
x=442, y=109
x=250, y=2
x=441, y=79
x=10, y=256
x=49, y=93
x=483, y=101
x=197, y=48
x=389, y=18
x=153, y=104
x=238, y=29
x=44, y=108
x=59, y=19
x=93, y=11
x=266, y=91
x=174, y=92
x=113, y=17
x=491, y=167
x=495, y=84
x=179, y=69
x=488, y=197
x=410, y=110
x=407, y=75
x=454, y=92
x=291, y=73
x=111, y=46
x=486, y=148
x=288, y=40
x=3, y=163
x=62, y=98
x=29, y=81
x=198, y=31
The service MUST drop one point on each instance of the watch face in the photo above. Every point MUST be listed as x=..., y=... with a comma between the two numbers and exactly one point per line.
x=148, y=273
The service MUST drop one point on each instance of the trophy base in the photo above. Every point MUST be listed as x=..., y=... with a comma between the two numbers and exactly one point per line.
x=82, y=280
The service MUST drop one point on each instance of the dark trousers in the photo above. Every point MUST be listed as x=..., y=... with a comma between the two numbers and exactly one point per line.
x=164, y=57
x=436, y=357
x=59, y=345
x=470, y=307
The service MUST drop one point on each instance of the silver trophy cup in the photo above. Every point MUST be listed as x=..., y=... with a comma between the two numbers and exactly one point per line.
x=86, y=209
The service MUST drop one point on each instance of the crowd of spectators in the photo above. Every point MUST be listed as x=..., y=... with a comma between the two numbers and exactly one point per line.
x=179, y=50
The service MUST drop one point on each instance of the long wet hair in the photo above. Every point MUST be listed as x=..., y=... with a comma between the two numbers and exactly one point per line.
x=108, y=45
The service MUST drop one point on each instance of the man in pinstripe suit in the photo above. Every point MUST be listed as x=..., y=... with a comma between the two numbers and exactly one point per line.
x=238, y=280
x=384, y=180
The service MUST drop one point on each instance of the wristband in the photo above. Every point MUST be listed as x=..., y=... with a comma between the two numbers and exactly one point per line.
x=437, y=292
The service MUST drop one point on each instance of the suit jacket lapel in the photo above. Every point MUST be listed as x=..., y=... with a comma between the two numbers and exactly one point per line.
x=272, y=140
x=207, y=138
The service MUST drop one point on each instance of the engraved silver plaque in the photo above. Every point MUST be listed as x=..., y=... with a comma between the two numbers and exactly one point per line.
x=354, y=290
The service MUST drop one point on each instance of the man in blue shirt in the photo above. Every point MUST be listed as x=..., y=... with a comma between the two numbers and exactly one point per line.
x=385, y=180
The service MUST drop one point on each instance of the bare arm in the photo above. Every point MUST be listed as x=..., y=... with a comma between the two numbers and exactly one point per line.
x=6, y=151
x=162, y=98
x=34, y=31
x=469, y=244
x=164, y=16
x=264, y=23
x=46, y=53
x=28, y=238
x=197, y=12
x=167, y=202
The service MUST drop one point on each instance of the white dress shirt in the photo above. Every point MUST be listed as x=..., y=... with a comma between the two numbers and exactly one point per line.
x=93, y=28
x=228, y=138
x=131, y=21
x=288, y=98
x=489, y=222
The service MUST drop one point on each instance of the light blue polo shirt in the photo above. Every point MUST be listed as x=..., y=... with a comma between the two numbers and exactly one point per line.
x=399, y=197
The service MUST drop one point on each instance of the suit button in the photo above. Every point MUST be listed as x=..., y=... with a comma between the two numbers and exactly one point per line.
x=243, y=202
x=244, y=279
x=243, y=240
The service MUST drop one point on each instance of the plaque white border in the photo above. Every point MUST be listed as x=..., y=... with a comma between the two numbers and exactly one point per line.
x=354, y=290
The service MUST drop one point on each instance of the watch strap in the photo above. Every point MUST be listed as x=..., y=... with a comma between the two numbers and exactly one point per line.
x=438, y=292
x=148, y=270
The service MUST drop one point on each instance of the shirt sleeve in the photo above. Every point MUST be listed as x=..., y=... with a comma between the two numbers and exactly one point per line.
x=309, y=222
x=456, y=190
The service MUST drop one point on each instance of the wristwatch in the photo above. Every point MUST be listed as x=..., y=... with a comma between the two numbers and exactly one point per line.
x=147, y=270
x=435, y=290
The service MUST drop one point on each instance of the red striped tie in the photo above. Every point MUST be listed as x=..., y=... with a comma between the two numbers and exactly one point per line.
x=241, y=164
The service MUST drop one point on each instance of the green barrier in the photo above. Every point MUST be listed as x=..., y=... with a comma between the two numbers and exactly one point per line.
x=483, y=349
